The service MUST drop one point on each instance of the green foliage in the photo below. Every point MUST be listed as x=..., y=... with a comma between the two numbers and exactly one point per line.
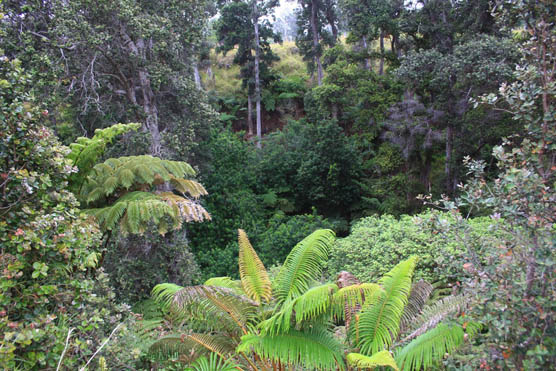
x=123, y=189
x=312, y=165
x=254, y=278
x=379, y=359
x=375, y=244
x=50, y=252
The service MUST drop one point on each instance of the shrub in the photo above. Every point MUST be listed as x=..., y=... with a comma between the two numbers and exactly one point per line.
x=377, y=243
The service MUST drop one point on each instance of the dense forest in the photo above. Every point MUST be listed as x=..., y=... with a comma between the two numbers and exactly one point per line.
x=265, y=185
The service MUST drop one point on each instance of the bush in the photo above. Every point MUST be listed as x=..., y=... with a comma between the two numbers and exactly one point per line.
x=49, y=250
x=376, y=244
x=157, y=258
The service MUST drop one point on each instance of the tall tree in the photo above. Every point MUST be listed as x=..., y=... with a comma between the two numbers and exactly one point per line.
x=243, y=24
x=126, y=61
x=312, y=21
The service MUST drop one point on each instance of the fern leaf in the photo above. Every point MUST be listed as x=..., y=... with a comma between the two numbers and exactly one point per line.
x=213, y=363
x=420, y=293
x=352, y=297
x=317, y=349
x=313, y=303
x=194, y=344
x=379, y=359
x=434, y=314
x=303, y=265
x=225, y=282
x=379, y=320
x=429, y=348
x=254, y=277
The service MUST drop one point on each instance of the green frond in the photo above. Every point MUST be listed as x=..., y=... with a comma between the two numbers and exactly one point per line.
x=254, y=277
x=303, y=265
x=193, y=345
x=208, y=304
x=351, y=297
x=433, y=314
x=227, y=282
x=213, y=363
x=420, y=293
x=379, y=321
x=187, y=186
x=313, y=303
x=429, y=348
x=379, y=359
x=317, y=349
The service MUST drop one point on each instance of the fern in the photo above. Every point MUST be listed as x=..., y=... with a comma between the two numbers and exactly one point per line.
x=430, y=347
x=379, y=321
x=313, y=303
x=226, y=282
x=194, y=345
x=420, y=293
x=379, y=359
x=213, y=363
x=350, y=298
x=310, y=349
x=434, y=314
x=303, y=265
x=254, y=277
x=85, y=152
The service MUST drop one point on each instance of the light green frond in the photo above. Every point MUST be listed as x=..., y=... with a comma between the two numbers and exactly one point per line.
x=352, y=296
x=193, y=345
x=379, y=321
x=379, y=359
x=254, y=278
x=433, y=314
x=429, y=348
x=187, y=186
x=213, y=363
x=314, y=303
x=303, y=265
x=312, y=350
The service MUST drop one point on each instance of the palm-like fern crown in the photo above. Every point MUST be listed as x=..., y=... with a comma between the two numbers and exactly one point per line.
x=126, y=191
x=290, y=323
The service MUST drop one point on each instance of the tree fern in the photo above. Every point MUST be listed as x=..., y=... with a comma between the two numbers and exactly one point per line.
x=379, y=321
x=227, y=282
x=213, y=363
x=350, y=298
x=420, y=293
x=309, y=349
x=194, y=345
x=313, y=303
x=254, y=277
x=379, y=359
x=303, y=265
x=429, y=348
x=125, y=192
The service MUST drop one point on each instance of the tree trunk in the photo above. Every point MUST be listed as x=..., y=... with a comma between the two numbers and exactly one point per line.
x=249, y=115
x=197, y=76
x=448, y=163
x=367, y=60
x=316, y=49
x=381, y=67
x=257, y=78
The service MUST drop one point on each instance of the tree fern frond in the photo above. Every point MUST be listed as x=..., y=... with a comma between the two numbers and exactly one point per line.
x=188, y=186
x=254, y=278
x=420, y=293
x=303, y=265
x=434, y=314
x=227, y=282
x=313, y=303
x=213, y=363
x=317, y=349
x=379, y=320
x=429, y=348
x=379, y=359
x=193, y=345
x=350, y=298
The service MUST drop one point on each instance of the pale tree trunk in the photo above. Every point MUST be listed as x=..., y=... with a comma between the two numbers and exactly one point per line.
x=148, y=103
x=448, y=163
x=316, y=41
x=257, y=78
x=250, y=115
x=197, y=76
x=381, y=67
x=367, y=60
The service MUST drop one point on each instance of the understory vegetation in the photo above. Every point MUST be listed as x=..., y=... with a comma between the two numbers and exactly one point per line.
x=255, y=185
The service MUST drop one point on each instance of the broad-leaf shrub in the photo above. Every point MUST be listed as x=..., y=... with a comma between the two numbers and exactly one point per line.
x=377, y=243
x=49, y=250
